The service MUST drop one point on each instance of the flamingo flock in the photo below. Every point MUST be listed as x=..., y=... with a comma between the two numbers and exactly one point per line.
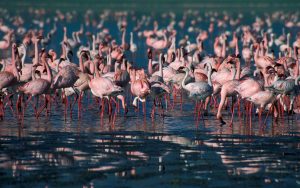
x=215, y=60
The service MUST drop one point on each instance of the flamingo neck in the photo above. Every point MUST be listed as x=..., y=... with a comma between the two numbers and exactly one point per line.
x=94, y=43
x=131, y=38
x=209, y=74
x=183, y=81
x=238, y=73
x=96, y=73
x=150, y=70
x=74, y=36
x=160, y=66
x=14, y=70
x=24, y=56
x=49, y=73
x=33, y=72
x=36, y=54
x=77, y=37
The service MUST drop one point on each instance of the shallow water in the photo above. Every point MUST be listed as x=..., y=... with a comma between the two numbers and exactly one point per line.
x=172, y=151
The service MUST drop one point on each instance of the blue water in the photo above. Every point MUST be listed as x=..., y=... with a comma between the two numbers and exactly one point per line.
x=171, y=151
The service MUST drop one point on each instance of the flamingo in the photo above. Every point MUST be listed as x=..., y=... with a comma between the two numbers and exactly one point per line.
x=140, y=88
x=199, y=90
x=158, y=87
x=104, y=87
x=4, y=44
x=133, y=47
x=38, y=86
x=10, y=77
x=161, y=44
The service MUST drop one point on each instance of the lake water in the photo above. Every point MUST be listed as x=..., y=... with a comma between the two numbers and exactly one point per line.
x=171, y=151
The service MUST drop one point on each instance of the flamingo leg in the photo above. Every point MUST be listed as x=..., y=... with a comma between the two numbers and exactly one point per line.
x=270, y=109
x=153, y=110
x=259, y=116
x=42, y=107
x=102, y=108
x=73, y=103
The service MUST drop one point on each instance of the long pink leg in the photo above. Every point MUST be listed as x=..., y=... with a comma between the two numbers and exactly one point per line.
x=42, y=107
x=102, y=108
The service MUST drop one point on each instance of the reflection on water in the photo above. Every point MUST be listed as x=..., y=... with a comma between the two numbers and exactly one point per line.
x=203, y=156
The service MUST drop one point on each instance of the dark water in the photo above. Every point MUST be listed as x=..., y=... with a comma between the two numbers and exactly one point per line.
x=173, y=151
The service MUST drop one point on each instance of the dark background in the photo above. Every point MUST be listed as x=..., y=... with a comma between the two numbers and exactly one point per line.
x=157, y=5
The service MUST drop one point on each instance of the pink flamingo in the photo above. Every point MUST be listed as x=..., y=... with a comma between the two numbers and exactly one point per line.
x=104, y=87
x=12, y=76
x=140, y=88
x=39, y=86
x=161, y=44
x=4, y=44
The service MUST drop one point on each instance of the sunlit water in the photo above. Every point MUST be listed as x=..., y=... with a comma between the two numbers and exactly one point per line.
x=170, y=151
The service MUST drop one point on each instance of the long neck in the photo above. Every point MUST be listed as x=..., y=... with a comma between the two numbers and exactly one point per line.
x=160, y=66
x=223, y=49
x=183, y=81
x=209, y=75
x=271, y=40
x=123, y=38
x=237, y=48
x=57, y=65
x=65, y=39
x=78, y=38
x=288, y=40
x=150, y=70
x=49, y=73
x=24, y=56
x=94, y=43
x=15, y=70
x=165, y=37
x=74, y=36
x=200, y=46
x=64, y=51
x=97, y=74
x=173, y=45
x=238, y=72
x=36, y=54
x=33, y=72
x=188, y=46
x=131, y=38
